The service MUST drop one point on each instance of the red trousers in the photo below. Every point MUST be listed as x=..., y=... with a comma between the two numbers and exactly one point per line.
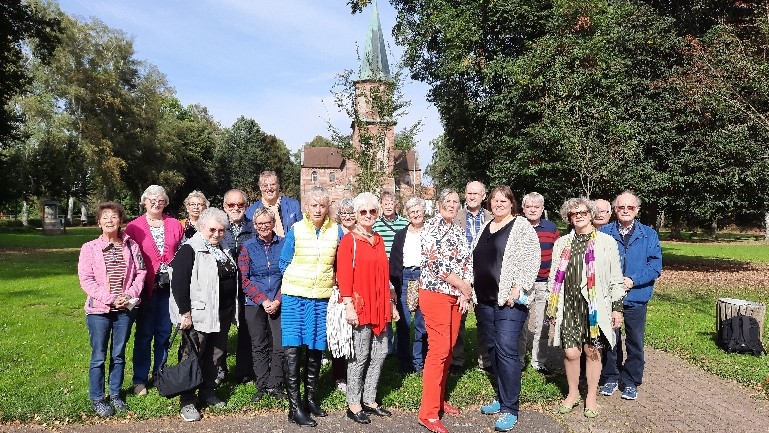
x=442, y=318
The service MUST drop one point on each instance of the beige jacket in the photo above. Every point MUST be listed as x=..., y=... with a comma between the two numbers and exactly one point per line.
x=609, y=282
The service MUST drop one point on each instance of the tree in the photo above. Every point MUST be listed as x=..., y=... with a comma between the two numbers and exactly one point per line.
x=319, y=141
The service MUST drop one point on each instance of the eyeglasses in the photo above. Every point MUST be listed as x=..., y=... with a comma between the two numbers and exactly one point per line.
x=371, y=212
x=347, y=214
x=265, y=224
x=416, y=212
x=153, y=201
x=213, y=230
x=630, y=208
x=582, y=213
x=236, y=205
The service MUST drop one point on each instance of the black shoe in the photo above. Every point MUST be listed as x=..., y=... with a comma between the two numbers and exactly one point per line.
x=378, y=411
x=456, y=370
x=118, y=403
x=213, y=401
x=542, y=369
x=258, y=396
x=314, y=358
x=360, y=417
x=104, y=410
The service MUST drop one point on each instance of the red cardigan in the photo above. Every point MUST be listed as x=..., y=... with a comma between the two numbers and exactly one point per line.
x=139, y=231
x=370, y=278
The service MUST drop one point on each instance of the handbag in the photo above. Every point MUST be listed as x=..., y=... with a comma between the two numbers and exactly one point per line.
x=182, y=377
x=412, y=295
x=338, y=331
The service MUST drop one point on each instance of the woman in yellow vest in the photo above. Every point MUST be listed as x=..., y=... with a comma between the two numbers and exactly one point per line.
x=307, y=262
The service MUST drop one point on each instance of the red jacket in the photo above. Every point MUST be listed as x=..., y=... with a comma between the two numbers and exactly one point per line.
x=93, y=274
x=139, y=230
x=369, y=279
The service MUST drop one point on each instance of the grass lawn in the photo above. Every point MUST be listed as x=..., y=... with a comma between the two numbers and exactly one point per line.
x=44, y=349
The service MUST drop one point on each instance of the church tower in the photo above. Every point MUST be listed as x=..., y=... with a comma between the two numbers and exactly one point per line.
x=373, y=128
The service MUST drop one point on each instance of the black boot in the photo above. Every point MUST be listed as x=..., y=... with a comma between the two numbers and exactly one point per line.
x=296, y=412
x=314, y=358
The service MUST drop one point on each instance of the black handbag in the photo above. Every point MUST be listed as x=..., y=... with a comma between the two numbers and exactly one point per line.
x=183, y=377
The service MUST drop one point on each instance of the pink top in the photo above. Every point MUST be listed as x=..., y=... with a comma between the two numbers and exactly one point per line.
x=93, y=274
x=139, y=230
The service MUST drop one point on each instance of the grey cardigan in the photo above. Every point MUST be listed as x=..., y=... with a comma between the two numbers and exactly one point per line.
x=521, y=261
x=609, y=282
x=204, y=289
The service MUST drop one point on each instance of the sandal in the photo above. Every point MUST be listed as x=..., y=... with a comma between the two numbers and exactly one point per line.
x=590, y=413
x=564, y=408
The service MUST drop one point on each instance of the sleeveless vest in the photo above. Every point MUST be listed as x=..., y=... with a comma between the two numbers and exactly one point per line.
x=311, y=271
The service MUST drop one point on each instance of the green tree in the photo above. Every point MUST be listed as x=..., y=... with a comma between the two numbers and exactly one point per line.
x=320, y=141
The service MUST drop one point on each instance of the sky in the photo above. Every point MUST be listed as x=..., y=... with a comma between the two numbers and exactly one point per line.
x=274, y=61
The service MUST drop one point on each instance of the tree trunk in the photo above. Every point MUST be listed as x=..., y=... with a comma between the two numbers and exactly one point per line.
x=70, y=210
x=766, y=225
x=83, y=215
x=25, y=213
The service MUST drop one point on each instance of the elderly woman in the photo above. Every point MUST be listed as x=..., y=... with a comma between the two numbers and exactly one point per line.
x=111, y=273
x=363, y=276
x=204, y=287
x=158, y=236
x=345, y=217
x=195, y=203
x=307, y=263
x=445, y=292
x=506, y=260
x=586, y=289
x=261, y=277
x=405, y=262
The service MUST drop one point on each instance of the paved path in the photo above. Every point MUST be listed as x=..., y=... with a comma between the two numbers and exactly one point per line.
x=675, y=397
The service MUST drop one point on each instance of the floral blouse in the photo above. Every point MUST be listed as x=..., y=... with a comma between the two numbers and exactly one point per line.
x=444, y=250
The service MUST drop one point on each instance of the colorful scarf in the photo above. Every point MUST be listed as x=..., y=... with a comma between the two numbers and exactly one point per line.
x=560, y=276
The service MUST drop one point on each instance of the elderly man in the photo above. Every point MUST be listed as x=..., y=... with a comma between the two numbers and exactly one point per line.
x=241, y=229
x=287, y=210
x=547, y=232
x=470, y=219
x=641, y=260
x=603, y=213
x=386, y=226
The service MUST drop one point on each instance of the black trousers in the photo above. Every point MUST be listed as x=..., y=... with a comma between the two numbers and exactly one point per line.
x=266, y=348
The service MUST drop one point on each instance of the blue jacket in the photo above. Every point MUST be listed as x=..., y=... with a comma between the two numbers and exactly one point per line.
x=641, y=260
x=229, y=242
x=262, y=278
x=289, y=208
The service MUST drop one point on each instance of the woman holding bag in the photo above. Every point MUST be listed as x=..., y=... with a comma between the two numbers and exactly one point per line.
x=370, y=306
x=204, y=288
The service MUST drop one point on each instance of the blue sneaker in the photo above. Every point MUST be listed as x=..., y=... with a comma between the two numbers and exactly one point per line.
x=630, y=393
x=608, y=388
x=505, y=422
x=491, y=408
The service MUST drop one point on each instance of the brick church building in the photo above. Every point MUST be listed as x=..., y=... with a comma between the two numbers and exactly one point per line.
x=327, y=166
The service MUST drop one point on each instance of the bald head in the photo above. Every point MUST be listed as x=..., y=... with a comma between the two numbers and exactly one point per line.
x=475, y=193
x=603, y=212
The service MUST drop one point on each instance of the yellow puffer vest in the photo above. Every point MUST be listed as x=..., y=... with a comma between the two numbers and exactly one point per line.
x=311, y=272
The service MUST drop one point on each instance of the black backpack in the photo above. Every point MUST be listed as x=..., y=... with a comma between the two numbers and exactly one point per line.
x=740, y=334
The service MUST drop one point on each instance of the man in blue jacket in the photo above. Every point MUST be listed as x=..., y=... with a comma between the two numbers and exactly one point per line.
x=286, y=209
x=641, y=260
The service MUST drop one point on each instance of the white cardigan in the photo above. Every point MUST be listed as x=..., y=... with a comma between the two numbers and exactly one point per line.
x=609, y=282
x=520, y=262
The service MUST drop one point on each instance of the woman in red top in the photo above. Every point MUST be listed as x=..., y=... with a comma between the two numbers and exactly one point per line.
x=363, y=276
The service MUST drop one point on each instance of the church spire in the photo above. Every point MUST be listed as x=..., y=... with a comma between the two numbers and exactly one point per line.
x=374, y=65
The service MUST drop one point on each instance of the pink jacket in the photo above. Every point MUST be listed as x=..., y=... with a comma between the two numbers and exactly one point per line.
x=139, y=230
x=93, y=274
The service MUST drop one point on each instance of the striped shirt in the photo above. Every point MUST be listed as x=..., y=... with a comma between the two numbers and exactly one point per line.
x=547, y=233
x=473, y=224
x=113, y=258
x=387, y=229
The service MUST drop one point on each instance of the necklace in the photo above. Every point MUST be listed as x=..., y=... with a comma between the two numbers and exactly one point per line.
x=364, y=233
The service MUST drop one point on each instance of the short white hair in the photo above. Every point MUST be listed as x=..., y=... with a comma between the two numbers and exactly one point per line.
x=155, y=190
x=534, y=198
x=415, y=201
x=215, y=214
x=365, y=199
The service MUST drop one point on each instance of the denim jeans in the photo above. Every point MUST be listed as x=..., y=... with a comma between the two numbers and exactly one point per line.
x=153, y=322
x=631, y=373
x=410, y=355
x=115, y=324
x=502, y=329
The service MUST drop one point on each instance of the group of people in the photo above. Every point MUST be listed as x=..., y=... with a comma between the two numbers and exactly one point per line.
x=270, y=269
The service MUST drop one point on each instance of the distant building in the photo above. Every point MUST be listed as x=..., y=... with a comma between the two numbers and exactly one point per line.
x=327, y=167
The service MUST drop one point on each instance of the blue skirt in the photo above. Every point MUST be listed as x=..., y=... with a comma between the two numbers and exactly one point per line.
x=303, y=321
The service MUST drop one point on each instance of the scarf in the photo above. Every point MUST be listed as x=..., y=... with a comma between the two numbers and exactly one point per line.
x=560, y=276
x=217, y=252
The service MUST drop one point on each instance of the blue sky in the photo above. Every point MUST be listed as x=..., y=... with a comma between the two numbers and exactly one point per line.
x=273, y=61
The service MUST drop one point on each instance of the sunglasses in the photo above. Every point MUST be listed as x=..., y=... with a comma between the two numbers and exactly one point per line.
x=213, y=230
x=630, y=208
x=371, y=212
x=236, y=205
x=582, y=213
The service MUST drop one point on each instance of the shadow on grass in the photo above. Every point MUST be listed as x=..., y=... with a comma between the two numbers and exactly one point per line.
x=17, y=265
x=682, y=262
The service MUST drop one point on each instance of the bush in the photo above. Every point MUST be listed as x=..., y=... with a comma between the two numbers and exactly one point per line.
x=11, y=223
x=35, y=222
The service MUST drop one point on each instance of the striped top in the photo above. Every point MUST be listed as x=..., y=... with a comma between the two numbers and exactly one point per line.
x=113, y=258
x=547, y=233
x=387, y=229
